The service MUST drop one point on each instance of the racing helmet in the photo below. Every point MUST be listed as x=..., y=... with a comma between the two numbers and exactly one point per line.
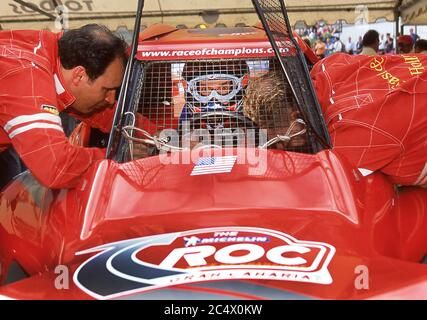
x=214, y=85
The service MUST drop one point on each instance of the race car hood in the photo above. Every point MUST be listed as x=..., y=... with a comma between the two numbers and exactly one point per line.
x=275, y=181
x=289, y=225
x=60, y=286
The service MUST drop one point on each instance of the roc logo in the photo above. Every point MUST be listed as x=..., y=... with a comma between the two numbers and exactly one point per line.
x=147, y=263
x=50, y=109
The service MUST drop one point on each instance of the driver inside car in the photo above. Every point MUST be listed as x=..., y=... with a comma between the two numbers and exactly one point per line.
x=219, y=95
x=222, y=89
x=213, y=87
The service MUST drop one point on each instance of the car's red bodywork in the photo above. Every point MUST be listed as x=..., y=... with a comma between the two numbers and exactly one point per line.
x=370, y=235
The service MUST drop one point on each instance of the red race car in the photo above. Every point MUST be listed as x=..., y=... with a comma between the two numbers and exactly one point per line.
x=231, y=190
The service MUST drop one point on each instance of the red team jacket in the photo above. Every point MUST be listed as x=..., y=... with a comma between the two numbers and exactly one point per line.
x=31, y=96
x=32, y=93
x=376, y=112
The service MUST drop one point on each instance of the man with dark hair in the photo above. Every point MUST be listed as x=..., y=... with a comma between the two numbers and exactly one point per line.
x=43, y=74
x=371, y=43
x=421, y=46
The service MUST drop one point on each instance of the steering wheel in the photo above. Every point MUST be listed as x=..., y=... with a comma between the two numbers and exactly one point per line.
x=213, y=120
x=219, y=120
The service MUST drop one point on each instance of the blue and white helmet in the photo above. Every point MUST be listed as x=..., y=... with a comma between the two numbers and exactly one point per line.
x=214, y=86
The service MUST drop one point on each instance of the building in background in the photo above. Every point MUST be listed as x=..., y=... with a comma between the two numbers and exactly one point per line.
x=119, y=15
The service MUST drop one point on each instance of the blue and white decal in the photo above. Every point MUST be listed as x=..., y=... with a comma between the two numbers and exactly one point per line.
x=227, y=253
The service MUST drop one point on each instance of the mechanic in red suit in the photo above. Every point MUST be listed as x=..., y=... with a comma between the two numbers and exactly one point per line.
x=376, y=112
x=43, y=74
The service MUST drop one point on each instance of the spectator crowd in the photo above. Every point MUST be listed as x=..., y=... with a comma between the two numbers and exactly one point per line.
x=325, y=41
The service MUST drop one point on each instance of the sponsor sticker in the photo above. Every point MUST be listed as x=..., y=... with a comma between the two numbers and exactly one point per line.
x=226, y=253
x=214, y=50
x=50, y=109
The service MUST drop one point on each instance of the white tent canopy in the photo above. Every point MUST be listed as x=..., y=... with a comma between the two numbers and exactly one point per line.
x=117, y=13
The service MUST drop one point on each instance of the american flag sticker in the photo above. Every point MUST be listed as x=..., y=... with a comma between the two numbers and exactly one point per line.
x=213, y=165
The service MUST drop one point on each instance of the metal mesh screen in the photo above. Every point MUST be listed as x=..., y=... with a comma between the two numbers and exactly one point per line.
x=155, y=101
x=272, y=11
x=274, y=18
x=227, y=103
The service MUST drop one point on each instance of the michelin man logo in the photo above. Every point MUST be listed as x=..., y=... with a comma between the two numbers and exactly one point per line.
x=192, y=241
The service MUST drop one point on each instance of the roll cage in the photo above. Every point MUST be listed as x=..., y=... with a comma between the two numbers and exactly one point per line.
x=288, y=59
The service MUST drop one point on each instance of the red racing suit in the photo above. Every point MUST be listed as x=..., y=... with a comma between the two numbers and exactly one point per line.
x=32, y=93
x=376, y=112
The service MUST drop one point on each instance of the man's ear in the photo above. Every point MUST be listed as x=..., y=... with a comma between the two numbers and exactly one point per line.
x=78, y=75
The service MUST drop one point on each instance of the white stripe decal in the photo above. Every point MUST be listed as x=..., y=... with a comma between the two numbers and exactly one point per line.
x=34, y=117
x=58, y=85
x=36, y=125
x=422, y=179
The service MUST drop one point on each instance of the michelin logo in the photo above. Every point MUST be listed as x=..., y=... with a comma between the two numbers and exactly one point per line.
x=194, y=241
